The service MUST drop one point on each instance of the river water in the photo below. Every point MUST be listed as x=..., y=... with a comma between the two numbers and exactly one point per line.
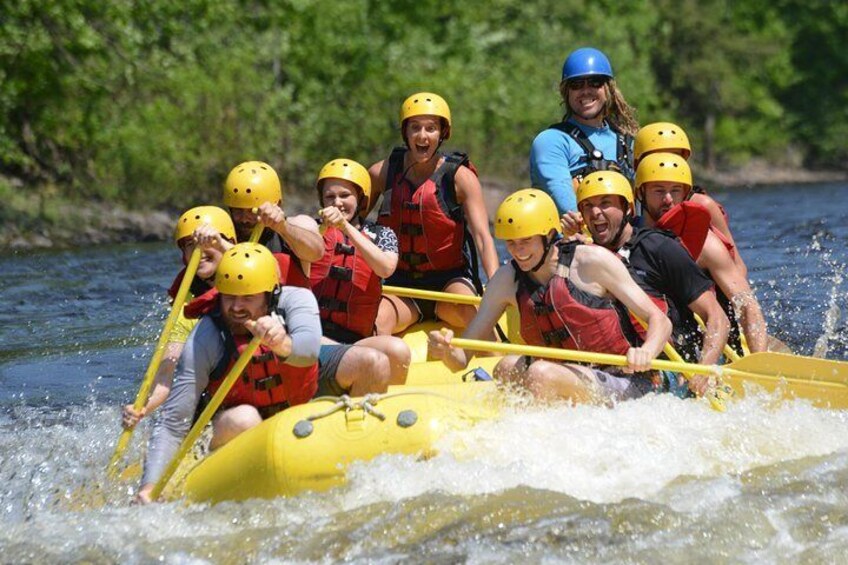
x=657, y=480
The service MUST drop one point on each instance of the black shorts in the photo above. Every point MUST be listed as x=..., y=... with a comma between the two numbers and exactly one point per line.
x=329, y=360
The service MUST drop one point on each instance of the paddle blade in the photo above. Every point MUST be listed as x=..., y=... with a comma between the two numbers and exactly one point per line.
x=795, y=366
x=823, y=381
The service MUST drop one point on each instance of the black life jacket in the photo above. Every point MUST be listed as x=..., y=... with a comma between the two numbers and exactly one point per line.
x=593, y=159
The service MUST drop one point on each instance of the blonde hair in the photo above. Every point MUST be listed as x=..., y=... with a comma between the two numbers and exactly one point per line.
x=617, y=111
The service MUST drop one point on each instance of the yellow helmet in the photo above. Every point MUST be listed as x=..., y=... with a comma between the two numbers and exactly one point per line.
x=667, y=167
x=349, y=170
x=426, y=104
x=196, y=217
x=661, y=136
x=605, y=182
x=251, y=184
x=525, y=213
x=247, y=268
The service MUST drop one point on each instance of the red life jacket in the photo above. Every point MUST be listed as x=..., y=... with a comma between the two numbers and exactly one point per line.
x=267, y=383
x=347, y=289
x=726, y=242
x=197, y=287
x=690, y=222
x=559, y=314
x=724, y=239
x=427, y=219
x=290, y=275
x=291, y=272
x=293, y=269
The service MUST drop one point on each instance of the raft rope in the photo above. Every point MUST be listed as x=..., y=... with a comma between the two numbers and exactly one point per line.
x=346, y=403
x=367, y=404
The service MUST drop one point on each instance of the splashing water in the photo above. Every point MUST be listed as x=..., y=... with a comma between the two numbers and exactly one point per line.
x=656, y=480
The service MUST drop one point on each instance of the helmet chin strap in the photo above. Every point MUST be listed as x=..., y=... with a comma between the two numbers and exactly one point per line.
x=548, y=244
x=624, y=221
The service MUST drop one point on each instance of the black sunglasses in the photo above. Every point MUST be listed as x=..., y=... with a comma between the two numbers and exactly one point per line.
x=593, y=82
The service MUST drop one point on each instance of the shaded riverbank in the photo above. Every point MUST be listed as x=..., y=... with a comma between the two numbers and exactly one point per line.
x=52, y=222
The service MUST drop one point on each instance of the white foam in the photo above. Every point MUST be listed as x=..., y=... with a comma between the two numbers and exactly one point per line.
x=605, y=455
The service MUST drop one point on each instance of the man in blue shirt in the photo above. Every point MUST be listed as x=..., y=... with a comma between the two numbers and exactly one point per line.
x=595, y=133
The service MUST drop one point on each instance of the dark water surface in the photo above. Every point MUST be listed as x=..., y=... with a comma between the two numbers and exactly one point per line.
x=657, y=480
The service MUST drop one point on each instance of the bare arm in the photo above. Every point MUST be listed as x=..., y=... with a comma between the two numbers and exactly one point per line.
x=381, y=262
x=161, y=386
x=716, y=259
x=500, y=293
x=718, y=219
x=299, y=232
x=718, y=326
x=470, y=194
x=598, y=265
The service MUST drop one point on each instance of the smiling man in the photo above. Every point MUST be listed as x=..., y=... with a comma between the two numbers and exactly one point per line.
x=253, y=194
x=569, y=296
x=283, y=372
x=658, y=263
x=595, y=134
x=663, y=183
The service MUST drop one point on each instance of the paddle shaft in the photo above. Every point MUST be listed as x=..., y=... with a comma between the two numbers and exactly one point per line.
x=661, y=364
x=156, y=359
x=598, y=358
x=206, y=416
x=256, y=233
x=432, y=295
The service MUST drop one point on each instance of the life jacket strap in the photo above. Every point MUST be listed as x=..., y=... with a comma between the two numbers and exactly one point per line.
x=340, y=273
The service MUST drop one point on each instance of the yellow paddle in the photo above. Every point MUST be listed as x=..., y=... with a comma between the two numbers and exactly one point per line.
x=511, y=324
x=257, y=229
x=822, y=381
x=156, y=360
x=206, y=416
x=432, y=295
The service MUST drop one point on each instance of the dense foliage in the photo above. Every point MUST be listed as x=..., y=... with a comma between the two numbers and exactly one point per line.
x=150, y=103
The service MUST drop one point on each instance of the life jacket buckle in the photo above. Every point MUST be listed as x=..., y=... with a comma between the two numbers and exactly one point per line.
x=343, y=249
x=415, y=259
x=412, y=229
x=341, y=273
x=332, y=303
x=268, y=382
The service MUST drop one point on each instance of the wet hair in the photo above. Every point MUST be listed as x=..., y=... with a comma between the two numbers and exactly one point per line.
x=616, y=109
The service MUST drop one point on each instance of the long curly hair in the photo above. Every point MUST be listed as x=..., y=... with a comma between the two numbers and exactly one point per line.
x=617, y=111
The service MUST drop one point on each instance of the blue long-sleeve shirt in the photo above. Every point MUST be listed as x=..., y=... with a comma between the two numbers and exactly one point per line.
x=554, y=154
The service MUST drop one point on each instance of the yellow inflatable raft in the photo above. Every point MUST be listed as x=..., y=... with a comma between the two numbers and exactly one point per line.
x=309, y=447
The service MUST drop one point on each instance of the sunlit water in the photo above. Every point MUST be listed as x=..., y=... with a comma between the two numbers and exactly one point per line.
x=656, y=480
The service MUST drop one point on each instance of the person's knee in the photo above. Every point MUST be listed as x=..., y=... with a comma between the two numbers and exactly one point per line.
x=232, y=422
x=240, y=418
x=378, y=367
x=506, y=370
x=457, y=315
x=399, y=352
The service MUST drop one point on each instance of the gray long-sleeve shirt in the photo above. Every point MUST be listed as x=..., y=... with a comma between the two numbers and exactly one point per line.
x=202, y=353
